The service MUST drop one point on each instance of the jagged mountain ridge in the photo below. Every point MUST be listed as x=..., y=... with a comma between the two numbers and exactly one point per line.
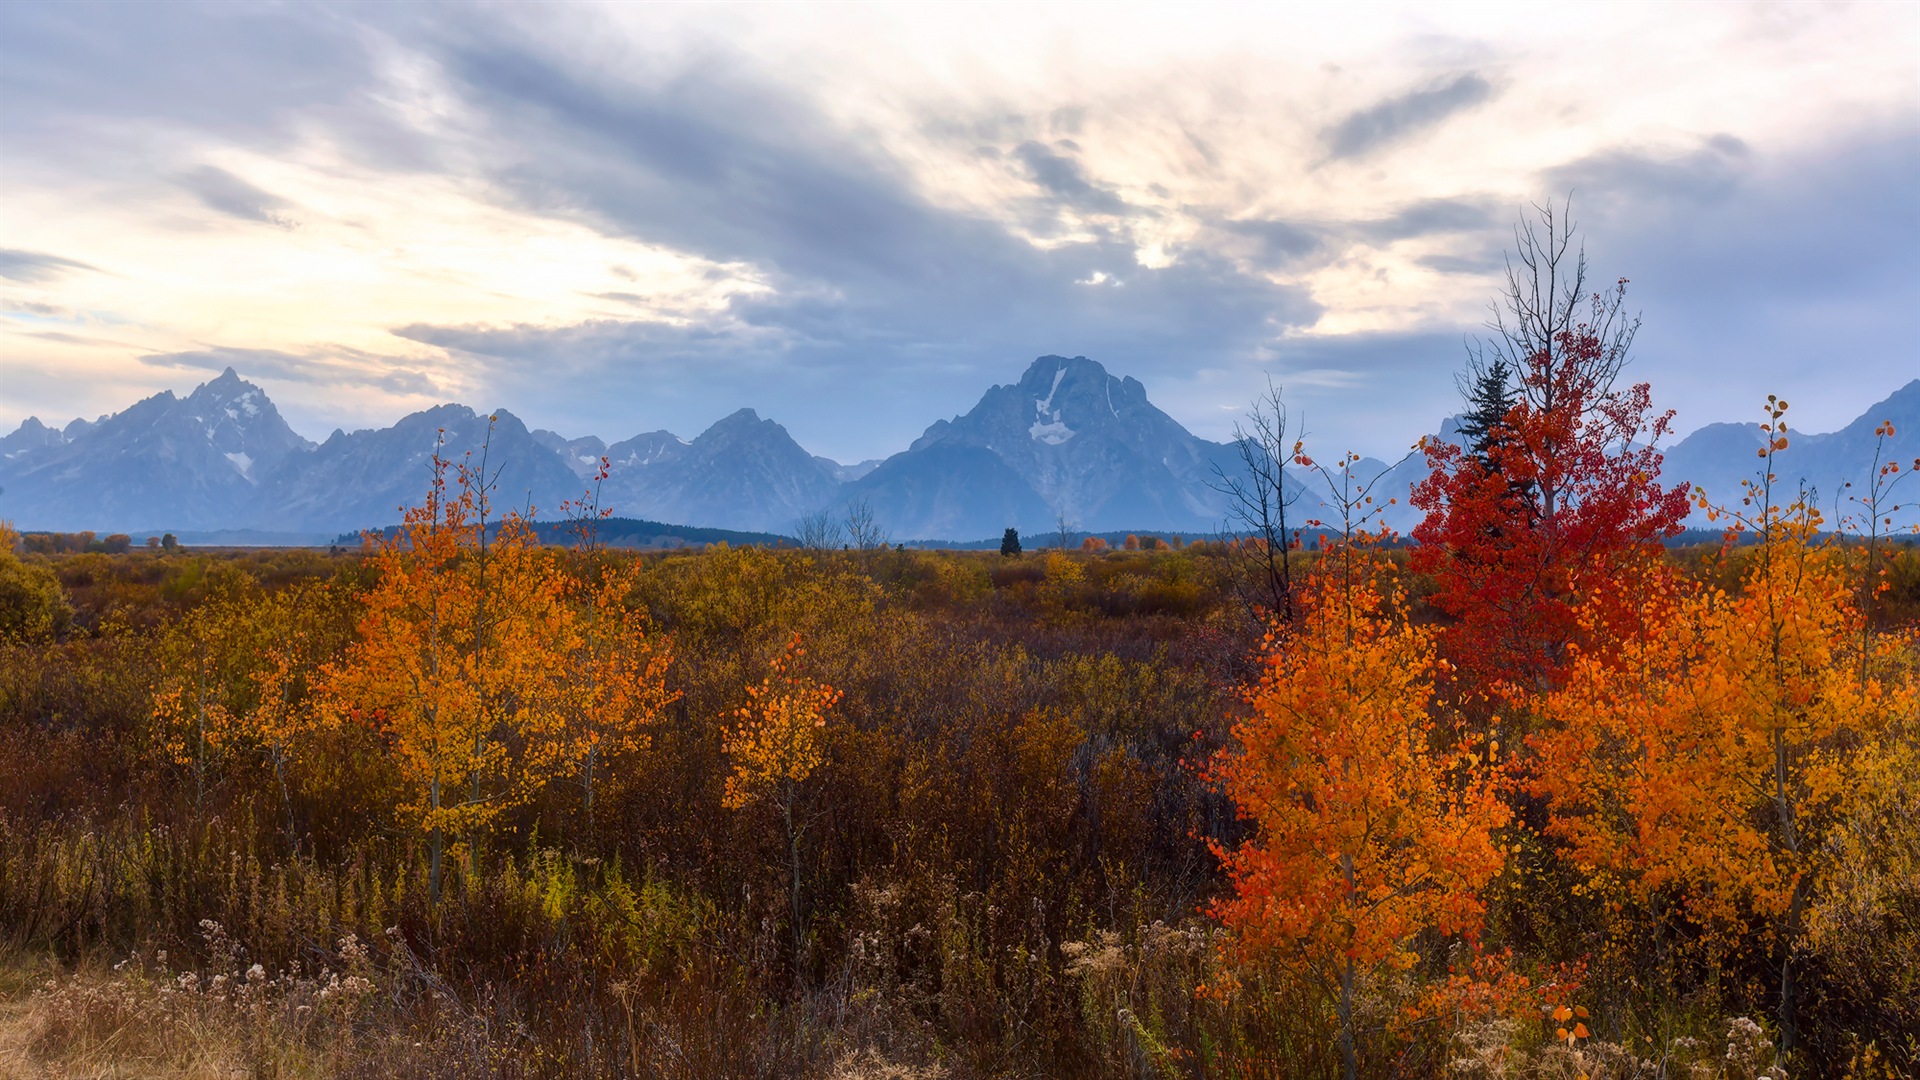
x=1092, y=447
x=191, y=462
x=1717, y=457
x=364, y=478
x=742, y=473
x=1067, y=440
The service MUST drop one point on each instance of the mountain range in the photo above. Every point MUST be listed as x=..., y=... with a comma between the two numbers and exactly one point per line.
x=1067, y=442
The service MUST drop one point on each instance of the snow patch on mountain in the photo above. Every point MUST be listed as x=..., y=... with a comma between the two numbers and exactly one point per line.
x=1051, y=432
x=1049, y=428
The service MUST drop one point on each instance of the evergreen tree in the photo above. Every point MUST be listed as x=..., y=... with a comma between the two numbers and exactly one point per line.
x=1490, y=398
x=1010, y=541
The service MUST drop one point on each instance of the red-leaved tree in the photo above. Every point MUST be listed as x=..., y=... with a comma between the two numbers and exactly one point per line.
x=1557, y=510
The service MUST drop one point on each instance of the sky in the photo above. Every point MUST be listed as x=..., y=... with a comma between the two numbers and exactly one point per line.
x=855, y=219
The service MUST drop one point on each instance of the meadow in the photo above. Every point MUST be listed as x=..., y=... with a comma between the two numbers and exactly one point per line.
x=1534, y=797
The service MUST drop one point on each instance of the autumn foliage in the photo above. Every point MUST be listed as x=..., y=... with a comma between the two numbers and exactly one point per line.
x=1688, y=747
x=1537, y=542
x=1372, y=829
x=1536, y=796
x=1706, y=757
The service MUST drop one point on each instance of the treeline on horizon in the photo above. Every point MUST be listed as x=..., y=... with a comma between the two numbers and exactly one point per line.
x=1535, y=795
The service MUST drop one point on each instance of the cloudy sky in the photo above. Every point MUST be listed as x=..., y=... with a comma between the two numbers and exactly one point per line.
x=611, y=219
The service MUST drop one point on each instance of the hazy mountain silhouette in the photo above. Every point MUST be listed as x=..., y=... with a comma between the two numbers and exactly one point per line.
x=1067, y=440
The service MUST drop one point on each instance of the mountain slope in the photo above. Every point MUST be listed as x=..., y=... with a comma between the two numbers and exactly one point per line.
x=742, y=473
x=949, y=491
x=365, y=479
x=580, y=455
x=1092, y=447
x=191, y=462
x=1717, y=457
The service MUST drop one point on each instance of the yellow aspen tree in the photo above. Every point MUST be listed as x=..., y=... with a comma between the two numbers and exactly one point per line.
x=205, y=661
x=235, y=679
x=192, y=717
x=777, y=741
x=1705, y=760
x=454, y=661
x=616, y=665
x=299, y=630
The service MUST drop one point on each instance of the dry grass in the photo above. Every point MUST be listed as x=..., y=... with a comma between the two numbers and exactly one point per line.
x=350, y=1018
x=141, y=1019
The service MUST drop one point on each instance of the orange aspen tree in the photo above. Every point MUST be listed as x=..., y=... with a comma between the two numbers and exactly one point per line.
x=778, y=740
x=616, y=668
x=615, y=678
x=454, y=662
x=1366, y=833
x=1705, y=759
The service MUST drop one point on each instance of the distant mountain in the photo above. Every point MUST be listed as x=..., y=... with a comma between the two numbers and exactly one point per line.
x=847, y=474
x=1391, y=485
x=581, y=455
x=32, y=435
x=1717, y=457
x=1067, y=440
x=742, y=473
x=647, y=449
x=191, y=462
x=363, y=479
x=1091, y=447
x=616, y=532
x=949, y=491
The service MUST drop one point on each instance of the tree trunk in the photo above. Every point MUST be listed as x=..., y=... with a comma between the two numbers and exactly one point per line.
x=473, y=833
x=434, y=845
x=793, y=854
x=286, y=797
x=1348, y=1056
x=1790, y=835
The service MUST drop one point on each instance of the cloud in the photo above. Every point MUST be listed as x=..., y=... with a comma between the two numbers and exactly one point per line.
x=709, y=161
x=1064, y=178
x=330, y=367
x=885, y=222
x=1483, y=263
x=1294, y=245
x=1793, y=273
x=858, y=366
x=1398, y=118
x=122, y=96
x=72, y=339
x=1431, y=216
x=220, y=190
x=875, y=289
x=1652, y=180
x=1280, y=243
x=35, y=266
